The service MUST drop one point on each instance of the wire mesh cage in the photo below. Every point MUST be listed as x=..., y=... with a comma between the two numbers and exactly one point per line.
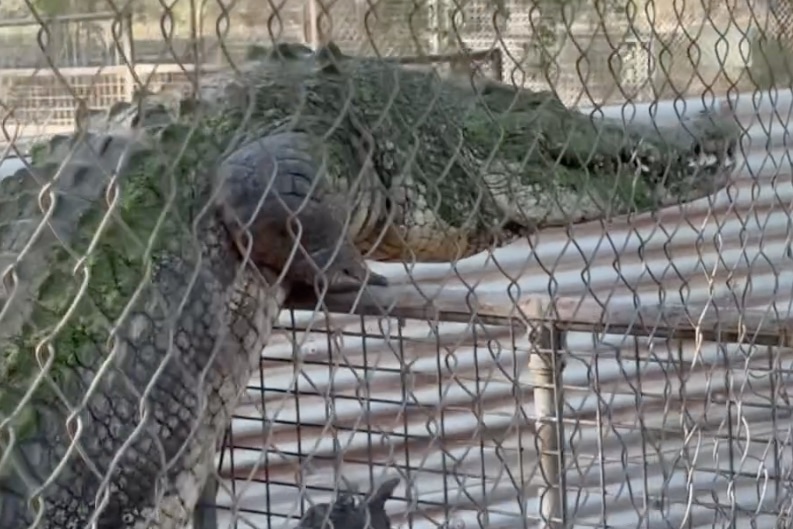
x=394, y=264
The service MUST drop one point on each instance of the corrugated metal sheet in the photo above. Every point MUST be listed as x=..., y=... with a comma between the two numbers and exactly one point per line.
x=658, y=434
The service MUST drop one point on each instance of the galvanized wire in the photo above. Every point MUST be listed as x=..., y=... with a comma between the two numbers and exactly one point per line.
x=653, y=394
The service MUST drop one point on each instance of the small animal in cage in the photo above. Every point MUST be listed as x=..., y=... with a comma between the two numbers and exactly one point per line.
x=347, y=513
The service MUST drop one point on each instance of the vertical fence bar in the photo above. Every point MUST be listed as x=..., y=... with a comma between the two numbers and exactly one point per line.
x=545, y=374
x=205, y=515
x=129, y=51
x=311, y=26
x=498, y=64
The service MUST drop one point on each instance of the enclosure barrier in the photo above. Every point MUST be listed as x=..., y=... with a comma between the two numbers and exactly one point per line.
x=547, y=322
x=555, y=295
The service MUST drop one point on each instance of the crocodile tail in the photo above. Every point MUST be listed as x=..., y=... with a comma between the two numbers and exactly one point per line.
x=138, y=295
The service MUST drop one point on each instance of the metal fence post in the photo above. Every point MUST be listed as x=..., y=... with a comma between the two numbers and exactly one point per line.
x=545, y=373
x=130, y=51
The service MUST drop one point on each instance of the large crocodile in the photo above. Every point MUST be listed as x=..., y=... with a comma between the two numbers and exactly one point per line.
x=441, y=170
x=431, y=169
x=146, y=256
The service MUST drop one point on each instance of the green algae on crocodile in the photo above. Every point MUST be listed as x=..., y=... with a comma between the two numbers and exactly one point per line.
x=117, y=262
x=435, y=171
x=442, y=172
x=151, y=339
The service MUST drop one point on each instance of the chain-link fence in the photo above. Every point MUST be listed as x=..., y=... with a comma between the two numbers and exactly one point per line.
x=504, y=264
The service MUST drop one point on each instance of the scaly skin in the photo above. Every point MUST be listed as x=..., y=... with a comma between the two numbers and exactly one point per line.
x=436, y=171
x=151, y=338
x=120, y=371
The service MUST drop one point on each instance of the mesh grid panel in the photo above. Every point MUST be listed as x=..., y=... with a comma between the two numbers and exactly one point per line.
x=380, y=264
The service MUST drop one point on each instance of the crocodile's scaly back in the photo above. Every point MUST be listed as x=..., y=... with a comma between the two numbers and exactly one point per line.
x=433, y=170
x=135, y=308
x=119, y=271
x=134, y=304
x=430, y=169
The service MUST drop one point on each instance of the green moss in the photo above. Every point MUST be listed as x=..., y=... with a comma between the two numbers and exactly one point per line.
x=161, y=192
x=428, y=133
x=551, y=152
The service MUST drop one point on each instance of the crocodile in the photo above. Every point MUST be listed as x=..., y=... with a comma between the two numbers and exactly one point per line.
x=134, y=314
x=146, y=256
x=438, y=170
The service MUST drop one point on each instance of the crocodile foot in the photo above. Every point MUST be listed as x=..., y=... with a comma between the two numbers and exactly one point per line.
x=282, y=216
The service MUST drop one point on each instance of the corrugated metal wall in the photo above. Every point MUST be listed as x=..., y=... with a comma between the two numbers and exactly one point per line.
x=658, y=433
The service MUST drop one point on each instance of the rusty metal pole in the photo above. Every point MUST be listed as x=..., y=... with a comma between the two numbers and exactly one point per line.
x=312, y=24
x=545, y=375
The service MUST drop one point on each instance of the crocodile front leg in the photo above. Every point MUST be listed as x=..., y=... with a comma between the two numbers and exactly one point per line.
x=119, y=381
x=152, y=421
x=122, y=427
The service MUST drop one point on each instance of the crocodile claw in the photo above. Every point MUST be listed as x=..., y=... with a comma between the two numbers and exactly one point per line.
x=344, y=282
x=284, y=219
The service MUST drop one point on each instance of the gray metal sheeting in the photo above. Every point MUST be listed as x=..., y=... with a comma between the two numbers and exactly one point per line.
x=658, y=434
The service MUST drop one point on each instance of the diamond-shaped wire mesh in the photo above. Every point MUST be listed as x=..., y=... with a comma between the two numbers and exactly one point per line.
x=375, y=264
